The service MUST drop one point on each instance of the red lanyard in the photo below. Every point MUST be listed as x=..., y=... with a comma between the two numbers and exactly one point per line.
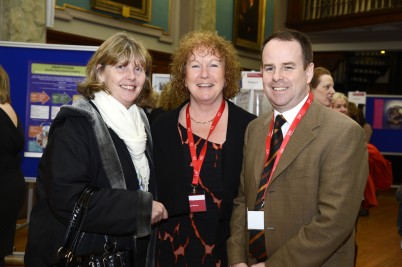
x=197, y=163
x=289, y=133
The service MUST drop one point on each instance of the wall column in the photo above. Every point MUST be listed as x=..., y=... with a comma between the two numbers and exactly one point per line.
x=197, y=15
x=205, y=15
x=23, y=21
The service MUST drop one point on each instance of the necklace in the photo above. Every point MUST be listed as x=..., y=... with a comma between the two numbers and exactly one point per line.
x=201, y=122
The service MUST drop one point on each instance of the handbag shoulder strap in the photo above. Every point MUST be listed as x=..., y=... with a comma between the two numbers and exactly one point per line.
x=73, y=233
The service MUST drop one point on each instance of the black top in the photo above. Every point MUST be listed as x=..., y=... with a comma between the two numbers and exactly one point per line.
x=12, y=184
x=11, y=143
x=174, y=176
x=196, y=232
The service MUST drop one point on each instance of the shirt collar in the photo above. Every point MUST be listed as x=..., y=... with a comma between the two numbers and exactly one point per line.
x=291, y=114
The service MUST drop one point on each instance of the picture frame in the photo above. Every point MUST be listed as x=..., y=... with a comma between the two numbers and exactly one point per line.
x=136, y=9
x=249, y=23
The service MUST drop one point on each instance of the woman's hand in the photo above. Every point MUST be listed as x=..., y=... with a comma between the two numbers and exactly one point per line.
x=158, y=212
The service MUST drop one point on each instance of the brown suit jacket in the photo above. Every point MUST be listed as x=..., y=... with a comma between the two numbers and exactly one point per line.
x=313, y=199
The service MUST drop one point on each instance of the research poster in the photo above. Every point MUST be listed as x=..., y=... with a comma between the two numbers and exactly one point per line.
x=50, y=85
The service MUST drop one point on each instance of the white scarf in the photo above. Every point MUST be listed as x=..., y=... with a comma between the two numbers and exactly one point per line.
x=127, y=124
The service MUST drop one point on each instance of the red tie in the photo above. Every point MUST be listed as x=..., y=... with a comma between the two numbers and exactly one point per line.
x=257, y=239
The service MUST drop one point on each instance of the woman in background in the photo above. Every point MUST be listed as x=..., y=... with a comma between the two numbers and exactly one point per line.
x=198, y=152
x=322, y=86
x=167, y=101
x=356, y=113
x=12, y=184
x=341, y=104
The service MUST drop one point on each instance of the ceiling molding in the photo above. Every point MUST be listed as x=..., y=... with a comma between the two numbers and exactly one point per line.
x=71, y=14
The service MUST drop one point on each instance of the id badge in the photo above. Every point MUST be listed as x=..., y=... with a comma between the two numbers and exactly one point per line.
x=255, y=220
x=197, y=201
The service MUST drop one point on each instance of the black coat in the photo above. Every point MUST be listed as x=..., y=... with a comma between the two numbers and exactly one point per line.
x=72, y=159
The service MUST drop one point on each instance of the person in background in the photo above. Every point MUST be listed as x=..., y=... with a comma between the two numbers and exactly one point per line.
x=368, y=129
x=356, y=113
x=352, y=110
x=198, y=152
x=298, y=206
x=12, y=183
x=322, y=86
x=340, y=103
x=102, y=140
x=150, y=105
x=380, y=167
x=167, y=101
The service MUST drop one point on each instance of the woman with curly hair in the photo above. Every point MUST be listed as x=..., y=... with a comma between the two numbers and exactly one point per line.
x=198, y=152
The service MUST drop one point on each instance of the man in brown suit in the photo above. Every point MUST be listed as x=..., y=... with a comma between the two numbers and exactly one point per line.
x=313, y=195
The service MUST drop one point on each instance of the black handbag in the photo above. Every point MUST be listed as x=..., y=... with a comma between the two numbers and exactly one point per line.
x=66, y=254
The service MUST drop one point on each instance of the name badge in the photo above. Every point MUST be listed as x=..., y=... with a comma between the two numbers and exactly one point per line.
x=197, y=203
x=255, y=220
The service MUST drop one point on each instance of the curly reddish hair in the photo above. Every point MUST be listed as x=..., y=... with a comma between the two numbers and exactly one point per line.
x=218, y=46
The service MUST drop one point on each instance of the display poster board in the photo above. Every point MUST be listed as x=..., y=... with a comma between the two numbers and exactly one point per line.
x=384, y=113
x=251, y=96
x=50, y=85
x=43, y=77
x=357, y=97
x=159, y=81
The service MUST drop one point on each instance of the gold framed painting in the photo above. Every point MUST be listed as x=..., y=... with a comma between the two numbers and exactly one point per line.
x=249, y=23
x=136, y=9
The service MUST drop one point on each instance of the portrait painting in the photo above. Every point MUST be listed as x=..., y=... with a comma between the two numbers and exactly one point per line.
x=136, y=9
x=133, y=3
x=249, y=21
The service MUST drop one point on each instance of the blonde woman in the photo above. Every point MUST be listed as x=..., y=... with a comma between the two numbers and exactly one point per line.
x=340, y=103
x=102, y=140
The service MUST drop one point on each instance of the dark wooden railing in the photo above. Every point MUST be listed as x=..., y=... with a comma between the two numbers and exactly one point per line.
x=318, y=15
x=319, y=9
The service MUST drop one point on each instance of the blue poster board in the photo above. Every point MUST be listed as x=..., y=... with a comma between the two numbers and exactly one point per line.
x=50, y=86
x=16, y=59
x=384, y=113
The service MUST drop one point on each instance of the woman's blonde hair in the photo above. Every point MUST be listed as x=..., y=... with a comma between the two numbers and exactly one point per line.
x=4, y=87
x=119, y=48
x=339, y=95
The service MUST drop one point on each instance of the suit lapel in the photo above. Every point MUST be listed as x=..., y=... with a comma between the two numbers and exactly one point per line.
x=301, y=137
x=260, y=139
